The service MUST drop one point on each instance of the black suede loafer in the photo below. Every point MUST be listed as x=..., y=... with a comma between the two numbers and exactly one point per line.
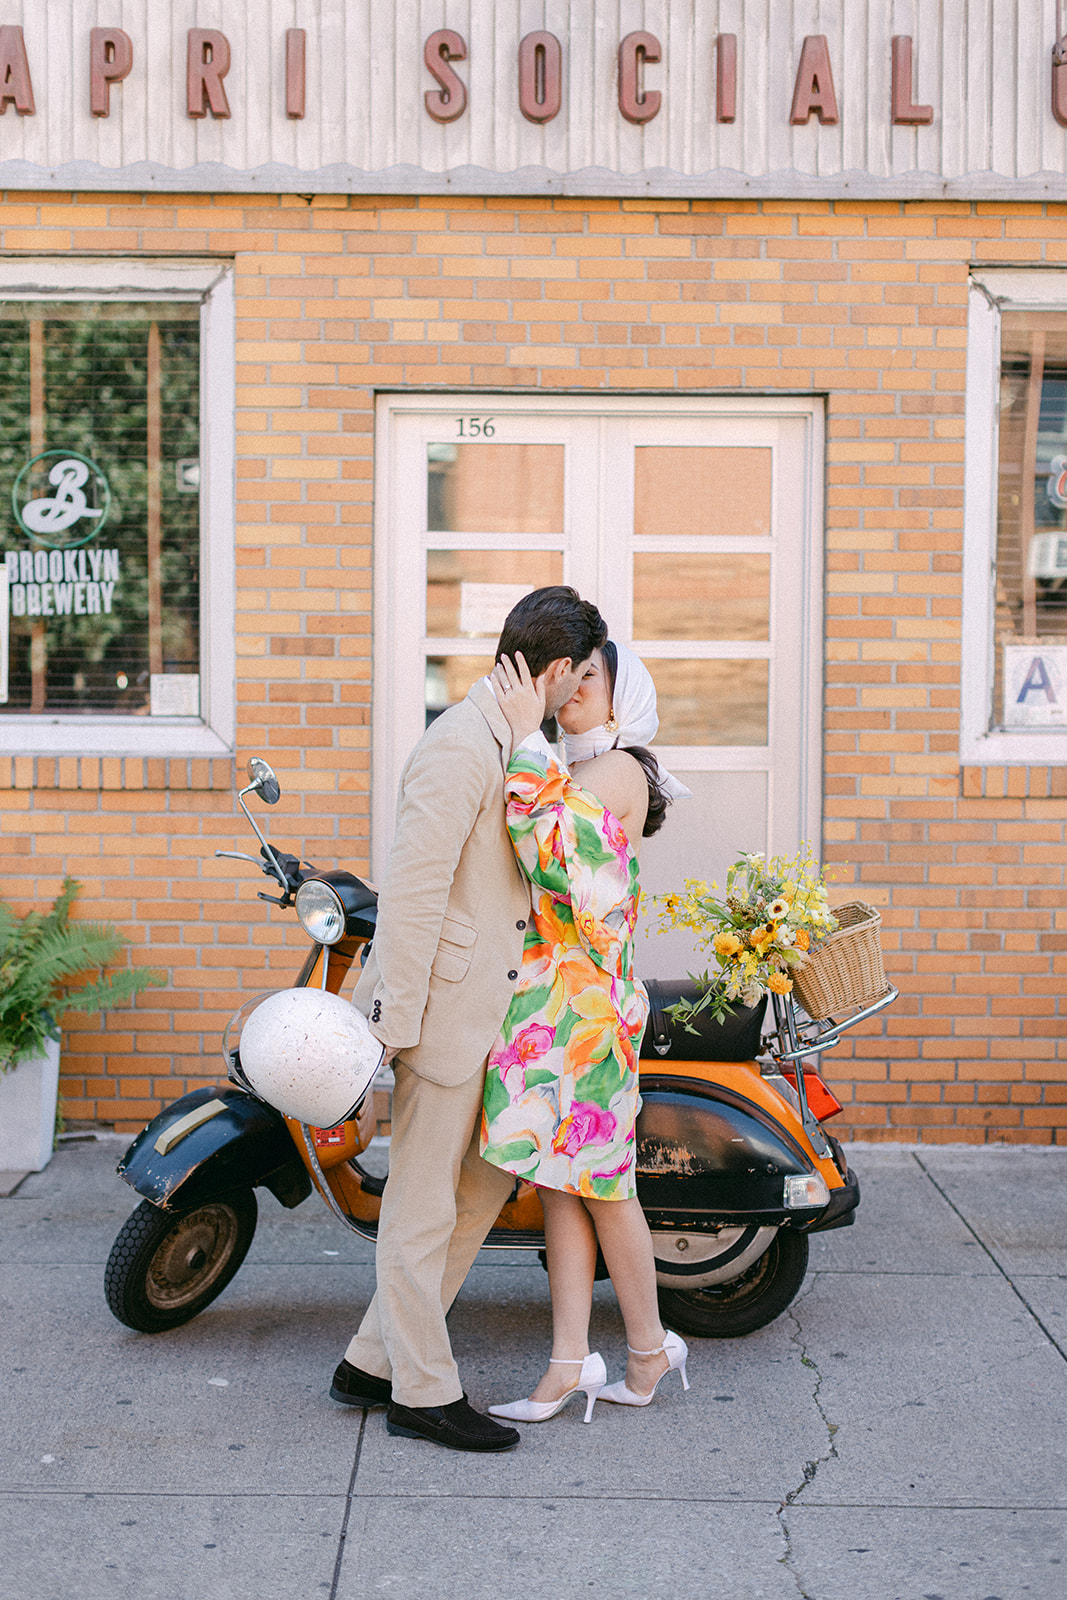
x=457, y=1426
x=356, y=1388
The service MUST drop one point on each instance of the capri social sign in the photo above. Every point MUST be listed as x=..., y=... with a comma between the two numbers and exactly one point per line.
x=733, y=97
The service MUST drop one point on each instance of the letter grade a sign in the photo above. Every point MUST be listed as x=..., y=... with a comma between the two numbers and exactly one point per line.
x=539, y=76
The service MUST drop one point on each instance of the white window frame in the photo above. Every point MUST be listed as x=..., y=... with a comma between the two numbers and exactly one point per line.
x=213, y=732
x=992, y=291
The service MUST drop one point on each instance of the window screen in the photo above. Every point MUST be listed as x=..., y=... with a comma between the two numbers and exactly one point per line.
x=100, y=506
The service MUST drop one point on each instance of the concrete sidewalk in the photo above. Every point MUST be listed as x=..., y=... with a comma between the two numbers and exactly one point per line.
x=900, y=1434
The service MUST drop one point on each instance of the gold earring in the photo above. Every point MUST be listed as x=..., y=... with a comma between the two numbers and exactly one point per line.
x=611, y=725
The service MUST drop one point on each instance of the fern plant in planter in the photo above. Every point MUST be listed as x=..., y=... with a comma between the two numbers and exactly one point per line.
x=49, y=965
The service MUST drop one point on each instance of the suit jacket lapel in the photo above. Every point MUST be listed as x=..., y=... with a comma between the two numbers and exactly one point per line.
x=486, y=702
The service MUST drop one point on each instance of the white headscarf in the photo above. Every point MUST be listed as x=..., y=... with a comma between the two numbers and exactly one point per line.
x=634, y=705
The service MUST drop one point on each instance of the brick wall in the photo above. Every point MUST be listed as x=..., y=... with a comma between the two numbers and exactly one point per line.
x=865, y=303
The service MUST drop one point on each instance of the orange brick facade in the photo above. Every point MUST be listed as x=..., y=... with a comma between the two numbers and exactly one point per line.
x=862, y=303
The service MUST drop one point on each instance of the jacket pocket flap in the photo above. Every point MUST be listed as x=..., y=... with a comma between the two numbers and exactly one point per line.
x=457, y=933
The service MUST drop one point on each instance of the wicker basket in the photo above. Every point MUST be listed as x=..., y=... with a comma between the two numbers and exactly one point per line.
x=845, y=969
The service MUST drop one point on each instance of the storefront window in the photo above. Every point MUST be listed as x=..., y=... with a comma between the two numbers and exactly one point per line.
x=1030, y=627
x=1013, y=709
x=99, y=495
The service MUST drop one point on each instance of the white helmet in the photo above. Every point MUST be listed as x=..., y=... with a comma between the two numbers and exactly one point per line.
x=309, y=1054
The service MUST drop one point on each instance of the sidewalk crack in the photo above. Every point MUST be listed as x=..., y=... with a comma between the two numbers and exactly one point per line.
x=811, y=1467
x=348, y=1508
x=1005, y=1274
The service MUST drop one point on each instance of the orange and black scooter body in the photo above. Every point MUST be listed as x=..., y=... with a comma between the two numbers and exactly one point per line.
x=712, y=1152
x=715, y=1139
x=234, y=1141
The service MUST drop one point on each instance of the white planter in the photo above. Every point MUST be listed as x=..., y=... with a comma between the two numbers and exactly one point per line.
x=28, y=1096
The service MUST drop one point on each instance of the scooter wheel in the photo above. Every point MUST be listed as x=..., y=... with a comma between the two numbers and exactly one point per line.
x=166, y=1266
x=761, y=1293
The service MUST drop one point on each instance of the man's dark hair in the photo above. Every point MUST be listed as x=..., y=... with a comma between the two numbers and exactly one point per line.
x=552, y=625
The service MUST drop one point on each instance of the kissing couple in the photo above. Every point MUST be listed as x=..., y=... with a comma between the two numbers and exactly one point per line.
x=501, y=984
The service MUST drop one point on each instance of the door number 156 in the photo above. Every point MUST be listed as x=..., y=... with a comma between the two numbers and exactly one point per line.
x=473, y=427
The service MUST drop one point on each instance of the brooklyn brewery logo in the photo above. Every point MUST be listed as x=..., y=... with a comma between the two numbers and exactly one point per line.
x=64, y=579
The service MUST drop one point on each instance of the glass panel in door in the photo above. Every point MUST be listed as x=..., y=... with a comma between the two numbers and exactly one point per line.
x=701, y=489
x=711, y=702
x=702, y=595
x=494, y=488
x=466, y=589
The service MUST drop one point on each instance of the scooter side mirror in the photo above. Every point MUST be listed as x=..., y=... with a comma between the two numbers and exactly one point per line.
x=261, y=777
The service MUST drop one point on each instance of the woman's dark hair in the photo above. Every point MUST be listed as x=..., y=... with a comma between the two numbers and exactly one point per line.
x=658, y=798
x=552, y=624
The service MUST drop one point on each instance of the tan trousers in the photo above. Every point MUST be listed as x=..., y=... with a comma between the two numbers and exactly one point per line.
x=439, y=1203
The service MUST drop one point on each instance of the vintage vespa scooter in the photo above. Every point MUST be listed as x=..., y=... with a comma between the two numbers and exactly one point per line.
x=734, y=1168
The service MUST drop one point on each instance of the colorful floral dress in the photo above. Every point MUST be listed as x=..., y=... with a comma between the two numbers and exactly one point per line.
x=561, y=1089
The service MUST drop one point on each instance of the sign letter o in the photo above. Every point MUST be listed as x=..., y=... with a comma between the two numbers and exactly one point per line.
x=540, y=77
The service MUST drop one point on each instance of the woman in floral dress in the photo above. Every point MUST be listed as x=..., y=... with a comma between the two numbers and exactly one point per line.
x=561, y=1095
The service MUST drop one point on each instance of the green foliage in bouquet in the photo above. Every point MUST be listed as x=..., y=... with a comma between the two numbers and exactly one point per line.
x=772, y=914
x=45, y=966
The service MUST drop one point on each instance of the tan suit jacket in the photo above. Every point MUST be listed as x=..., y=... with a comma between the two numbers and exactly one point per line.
x=454, y=903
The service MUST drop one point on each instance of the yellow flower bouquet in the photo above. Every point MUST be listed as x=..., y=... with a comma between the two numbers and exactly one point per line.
x=774, y=911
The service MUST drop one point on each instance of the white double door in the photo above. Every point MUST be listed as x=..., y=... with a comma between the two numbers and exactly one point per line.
x=696, y=527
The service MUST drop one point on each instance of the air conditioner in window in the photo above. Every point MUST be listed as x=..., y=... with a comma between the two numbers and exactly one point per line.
x=1048, y=556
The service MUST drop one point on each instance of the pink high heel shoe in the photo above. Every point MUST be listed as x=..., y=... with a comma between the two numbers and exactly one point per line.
x=677, y=1352
x=591, y=1381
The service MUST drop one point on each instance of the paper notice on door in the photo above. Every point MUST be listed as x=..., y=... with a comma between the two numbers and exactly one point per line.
x=175, y=694
x=4, y=633
x=484, y=606
x=1035, y=686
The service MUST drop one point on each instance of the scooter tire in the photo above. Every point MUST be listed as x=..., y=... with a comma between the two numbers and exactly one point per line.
x=730, y=1310
x=166, y=1266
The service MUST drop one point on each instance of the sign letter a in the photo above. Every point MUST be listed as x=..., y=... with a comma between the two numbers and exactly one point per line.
x=15, y=83
x=1036, y=680
x=814, y=88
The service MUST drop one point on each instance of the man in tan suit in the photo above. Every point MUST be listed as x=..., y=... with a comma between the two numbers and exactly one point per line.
x=452, y=915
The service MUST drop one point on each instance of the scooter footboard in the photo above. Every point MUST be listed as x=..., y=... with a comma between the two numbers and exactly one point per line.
x=211, y=1142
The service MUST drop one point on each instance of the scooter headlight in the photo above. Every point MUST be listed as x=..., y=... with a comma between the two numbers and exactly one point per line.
x=805, y=1189
x=322, y=916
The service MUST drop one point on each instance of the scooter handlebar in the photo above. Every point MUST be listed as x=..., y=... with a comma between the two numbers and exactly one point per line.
x=291, y=867
x=289, y=873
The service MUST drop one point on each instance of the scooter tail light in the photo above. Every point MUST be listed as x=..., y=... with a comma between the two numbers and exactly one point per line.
x=805, y=1189
x=822, y=1101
